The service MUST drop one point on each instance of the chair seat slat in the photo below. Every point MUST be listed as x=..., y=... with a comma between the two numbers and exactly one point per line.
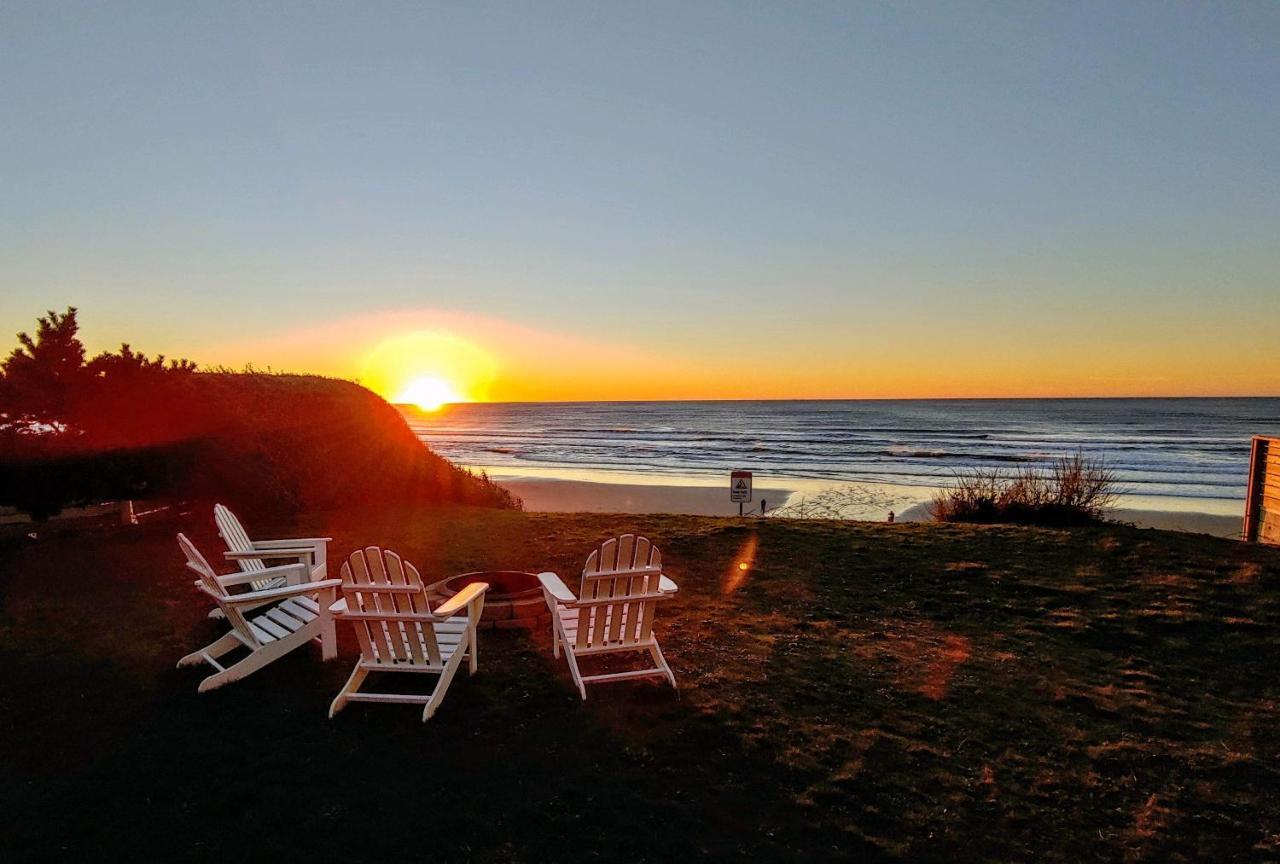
x=271, y=627
x=298, y=610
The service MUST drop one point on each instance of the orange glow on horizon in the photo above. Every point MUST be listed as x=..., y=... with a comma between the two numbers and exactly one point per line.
x=488, y=359
x=428, y=368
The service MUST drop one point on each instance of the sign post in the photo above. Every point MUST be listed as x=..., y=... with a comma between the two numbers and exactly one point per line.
x=740, y=488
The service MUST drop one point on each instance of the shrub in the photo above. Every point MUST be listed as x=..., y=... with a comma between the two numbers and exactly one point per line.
x=1073, y=490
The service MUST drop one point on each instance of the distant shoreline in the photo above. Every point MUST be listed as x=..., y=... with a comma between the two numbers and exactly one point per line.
x=1182, y=454
x=557, y=495
x=1189, y=521
x=570, y=495
x=417, y=413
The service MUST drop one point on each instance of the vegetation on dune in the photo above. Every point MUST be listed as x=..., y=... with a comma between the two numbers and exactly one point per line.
x=861, y=692
x=123, y=425
x=1073, y=490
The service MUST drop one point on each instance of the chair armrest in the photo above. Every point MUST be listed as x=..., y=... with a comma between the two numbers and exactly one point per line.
x=307, y=552
x=342, y=611
x=285, y=570
x=554, y=585
x=257, y=598
x=666, y=586
x=463, y=598
x=295, y=543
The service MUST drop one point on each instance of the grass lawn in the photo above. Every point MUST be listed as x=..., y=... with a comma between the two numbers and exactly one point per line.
x=860, y=692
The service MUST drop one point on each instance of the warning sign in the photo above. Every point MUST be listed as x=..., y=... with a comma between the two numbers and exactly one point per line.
x=740, y=486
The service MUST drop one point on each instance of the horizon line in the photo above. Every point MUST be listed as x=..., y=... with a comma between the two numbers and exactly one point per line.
x=837, y=399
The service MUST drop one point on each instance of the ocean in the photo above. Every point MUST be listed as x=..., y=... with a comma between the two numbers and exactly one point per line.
x=1188, y=454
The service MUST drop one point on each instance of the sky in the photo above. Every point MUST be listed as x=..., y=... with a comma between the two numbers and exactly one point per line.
x=538, y=201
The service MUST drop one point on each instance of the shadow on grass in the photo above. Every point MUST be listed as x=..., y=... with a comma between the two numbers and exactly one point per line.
x=513, y=767
x=863, y=692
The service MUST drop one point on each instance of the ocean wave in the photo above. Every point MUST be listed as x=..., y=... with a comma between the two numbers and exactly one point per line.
x=1180, y=448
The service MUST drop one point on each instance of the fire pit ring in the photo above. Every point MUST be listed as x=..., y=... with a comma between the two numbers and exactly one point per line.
x=514, y=598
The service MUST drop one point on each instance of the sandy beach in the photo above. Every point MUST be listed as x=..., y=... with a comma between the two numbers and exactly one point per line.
x=563, y=495
x=1195, y=523
x=1213, y=524
x=548, y=495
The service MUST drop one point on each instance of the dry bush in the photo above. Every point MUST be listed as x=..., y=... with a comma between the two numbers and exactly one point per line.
x=1073, y=490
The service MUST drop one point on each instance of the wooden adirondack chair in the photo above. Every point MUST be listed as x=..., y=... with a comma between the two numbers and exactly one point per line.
x=252, y=555
x=269, y=622
x=622, y=585
x=386, y=603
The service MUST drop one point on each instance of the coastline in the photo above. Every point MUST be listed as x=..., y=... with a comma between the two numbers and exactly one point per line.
x=547, y=493
x=1188, y=521
x=557, y=495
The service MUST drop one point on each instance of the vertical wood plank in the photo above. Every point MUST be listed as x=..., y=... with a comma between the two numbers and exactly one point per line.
x=609, y=555
x=626, y=552
x=1264, y=488
x=353, y=603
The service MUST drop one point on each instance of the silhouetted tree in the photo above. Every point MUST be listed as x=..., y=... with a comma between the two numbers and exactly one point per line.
x=43, y=376
x=128, y=366
x=72, y=431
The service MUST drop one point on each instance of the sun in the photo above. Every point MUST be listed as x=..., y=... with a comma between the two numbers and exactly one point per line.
x=428, y=392
x=428, y=368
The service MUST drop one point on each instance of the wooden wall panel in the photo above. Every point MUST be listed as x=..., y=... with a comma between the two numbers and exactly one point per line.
x=1262, y=501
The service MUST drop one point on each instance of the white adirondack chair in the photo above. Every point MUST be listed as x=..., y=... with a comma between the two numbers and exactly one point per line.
x=622, y=585
x=252, y=555
x=386, y=603
x=269, y=622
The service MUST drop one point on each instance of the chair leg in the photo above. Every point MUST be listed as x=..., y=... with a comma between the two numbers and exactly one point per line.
x=236, y=671
x=226, y=676
x=328, y=636
x=573, y=670
x=353, y=684
x=442, y=685
x=214, y=649
x=661, y=663
x=258, y=658
x=473, y=650
x=261, y=656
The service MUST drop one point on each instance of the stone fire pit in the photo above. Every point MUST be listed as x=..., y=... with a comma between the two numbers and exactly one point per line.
x=514, y=599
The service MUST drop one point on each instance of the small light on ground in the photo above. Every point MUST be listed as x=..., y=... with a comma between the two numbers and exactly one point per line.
x=742, y=565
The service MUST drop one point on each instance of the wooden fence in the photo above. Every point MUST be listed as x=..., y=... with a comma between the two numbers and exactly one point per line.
x=1262, y=502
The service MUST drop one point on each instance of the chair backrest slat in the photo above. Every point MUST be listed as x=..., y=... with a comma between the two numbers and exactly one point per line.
x=627, y=568
x=404, y=633
x=383, y=637
x=365, y=601
x=626, y=552
x=421, y=605
x=209, y=579
x=234, y=535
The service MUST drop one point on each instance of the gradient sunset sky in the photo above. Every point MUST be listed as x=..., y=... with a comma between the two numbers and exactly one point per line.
x=645, y=200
